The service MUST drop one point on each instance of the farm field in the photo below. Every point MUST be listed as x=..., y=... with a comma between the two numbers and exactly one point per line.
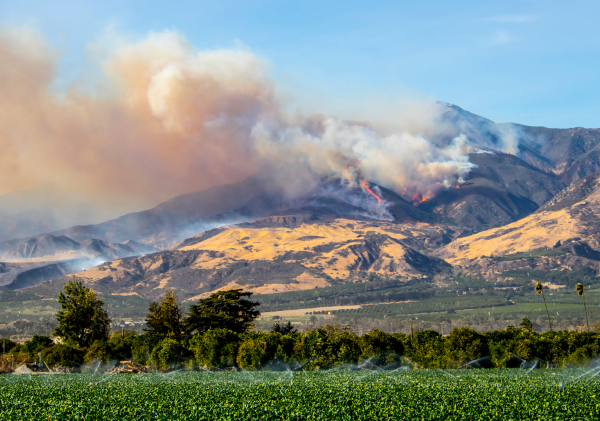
x=557, y=394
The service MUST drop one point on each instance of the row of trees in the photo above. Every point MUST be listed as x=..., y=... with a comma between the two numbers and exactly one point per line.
x=83, y=320
x=328, y=347
x=217, y=332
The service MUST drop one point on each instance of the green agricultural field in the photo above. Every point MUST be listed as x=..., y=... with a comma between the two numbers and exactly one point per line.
x=517, y=394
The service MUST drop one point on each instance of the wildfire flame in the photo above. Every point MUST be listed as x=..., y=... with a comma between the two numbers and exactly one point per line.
x=403, y=192
x=370, y=191
x=424, y=199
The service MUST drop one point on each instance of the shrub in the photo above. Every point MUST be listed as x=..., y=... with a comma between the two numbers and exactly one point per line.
x=36, y=344
x=381, y=347
x=64, y=355
x=252, y=353
x=216, y=348
x=169, y=353
x=142, y=346
x=98, y=350
x=464, y=342
x=121, y=348
x=427, y=349
x=6, y=345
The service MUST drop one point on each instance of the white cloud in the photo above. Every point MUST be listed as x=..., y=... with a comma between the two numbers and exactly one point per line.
x=512, y=19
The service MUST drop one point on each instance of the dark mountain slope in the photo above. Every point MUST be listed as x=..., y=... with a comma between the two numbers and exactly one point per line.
x=184, y=215
x=502, y=189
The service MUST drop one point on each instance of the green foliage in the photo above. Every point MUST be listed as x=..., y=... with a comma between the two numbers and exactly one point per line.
x=169, y=353
x=526, y=324
x=36, y=344
x=165, y=318
x=82, y=318
x=384, y=347
x=564, y=277
x=222, y=310
x=121, y=348
x=252, y=353
x=98, y=350
x=216, y=348
x=6, y=344
x=64, y=355
x=142, y=346
x=494, y=395
x=427, y=349
x=465, y=342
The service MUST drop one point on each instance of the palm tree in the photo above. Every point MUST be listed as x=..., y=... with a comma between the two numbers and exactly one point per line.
x=579, y=289
x=526, y=324
x=540, y=290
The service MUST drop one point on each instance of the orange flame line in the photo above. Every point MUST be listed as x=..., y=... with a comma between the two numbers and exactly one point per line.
x=370, y=191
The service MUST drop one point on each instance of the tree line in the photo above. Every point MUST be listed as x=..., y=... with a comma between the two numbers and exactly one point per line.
x=217, y=332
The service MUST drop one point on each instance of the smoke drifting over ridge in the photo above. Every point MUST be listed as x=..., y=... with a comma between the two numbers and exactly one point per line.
x=164, y=120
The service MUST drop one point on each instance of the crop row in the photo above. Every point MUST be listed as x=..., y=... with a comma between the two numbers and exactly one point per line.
x=330, y=395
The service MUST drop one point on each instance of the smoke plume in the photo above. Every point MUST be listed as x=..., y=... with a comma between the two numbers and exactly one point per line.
x=164, y=119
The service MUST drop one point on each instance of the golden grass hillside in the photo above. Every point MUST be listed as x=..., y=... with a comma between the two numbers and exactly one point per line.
x=272, y=259
x=573, y=214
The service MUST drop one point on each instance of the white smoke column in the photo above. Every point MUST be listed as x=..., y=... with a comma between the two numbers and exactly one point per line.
x=354, y=151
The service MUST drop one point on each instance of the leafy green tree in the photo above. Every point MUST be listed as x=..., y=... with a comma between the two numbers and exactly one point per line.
x=166, y=317
x=142, y=345
x=384, y=347
x=64, y=355
x=319, y=347
x=540, y=290
x=427, y=349
x=579, y=289
x=170, y=353
x=6, y=344
x=37, y=343
x=216, y=348
x=98, y=350
x=252, y=353
x=467, y=341
x=526, y=324
x=82, y=318
x=222, y=310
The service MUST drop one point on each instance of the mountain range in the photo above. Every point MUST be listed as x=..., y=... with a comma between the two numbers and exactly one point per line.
x=251, y=234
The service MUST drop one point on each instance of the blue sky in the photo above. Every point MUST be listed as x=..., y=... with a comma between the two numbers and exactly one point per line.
x=531, y=62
